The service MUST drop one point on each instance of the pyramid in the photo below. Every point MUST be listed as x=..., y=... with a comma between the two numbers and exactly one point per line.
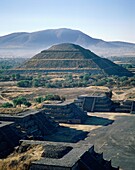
x=70, y=57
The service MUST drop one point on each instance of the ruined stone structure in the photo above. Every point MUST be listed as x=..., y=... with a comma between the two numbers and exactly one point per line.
x=127, y=106
x=69, y=156
x=27, y=125
x=36, y=124
x=94, y=103
x=8, y=138
x=57, y=155
x=102, y=103
x=33, y=123
x=65, y=112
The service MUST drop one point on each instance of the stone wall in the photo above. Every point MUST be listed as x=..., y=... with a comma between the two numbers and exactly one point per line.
x=28, y=125
x=94, y=103
x=104, y=104
x=65, y=113
x=80, y=156
x=8, y=138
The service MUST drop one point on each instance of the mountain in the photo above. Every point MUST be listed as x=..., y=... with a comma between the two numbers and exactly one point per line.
x=72, y=58
x=24, y=43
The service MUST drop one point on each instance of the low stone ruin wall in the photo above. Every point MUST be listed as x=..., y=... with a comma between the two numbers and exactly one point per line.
x=65, y=113
x=104, y=104
x=33, y=125
x=8, y=138
x=69, y=156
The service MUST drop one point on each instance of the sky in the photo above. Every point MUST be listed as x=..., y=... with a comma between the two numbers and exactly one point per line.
x=110, y=20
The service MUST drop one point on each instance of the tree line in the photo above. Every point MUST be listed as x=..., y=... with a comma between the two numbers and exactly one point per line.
x=19, y=101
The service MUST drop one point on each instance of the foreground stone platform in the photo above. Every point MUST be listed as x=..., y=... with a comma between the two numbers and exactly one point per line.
x=40, y=125
x=8, y=138
x=71, y=156
x=27, y=125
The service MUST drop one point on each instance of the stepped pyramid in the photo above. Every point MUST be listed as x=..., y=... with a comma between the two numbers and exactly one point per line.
x=73, y=58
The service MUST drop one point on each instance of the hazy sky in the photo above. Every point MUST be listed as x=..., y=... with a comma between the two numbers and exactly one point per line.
x=105, y=19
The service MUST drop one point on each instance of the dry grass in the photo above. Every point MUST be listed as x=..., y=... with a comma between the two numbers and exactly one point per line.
x=12, y=111
x=21, y=161
x=9, y=92
x=98, y=88
x=124, y=94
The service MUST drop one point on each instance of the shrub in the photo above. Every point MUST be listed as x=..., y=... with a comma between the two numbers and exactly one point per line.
x=20, y=100
x=39, y=99
x=7, y=105
x=52, y=97
x=132, y=83
x=36, y=82
x=101, y=83
x=24, y=83
x=124, y=78
x=28, y=104
x=63, y=98
x=86, y=77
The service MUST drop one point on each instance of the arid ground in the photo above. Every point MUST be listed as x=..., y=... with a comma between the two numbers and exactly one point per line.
x=8, y=91
x=111, y=133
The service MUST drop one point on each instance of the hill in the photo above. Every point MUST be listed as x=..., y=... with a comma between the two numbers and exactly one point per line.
x=27, y=44
x=71, y=57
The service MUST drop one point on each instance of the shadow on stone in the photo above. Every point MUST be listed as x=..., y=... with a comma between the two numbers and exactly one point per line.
x=94, y=120
x=57, y=152
x=66, y=134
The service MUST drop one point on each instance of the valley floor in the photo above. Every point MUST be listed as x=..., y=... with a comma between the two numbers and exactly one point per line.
x=111, y=133
x=8, y=92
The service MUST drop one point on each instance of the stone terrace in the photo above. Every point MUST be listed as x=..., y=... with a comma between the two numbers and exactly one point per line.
x=72, y=156
x=27, y=125
x=66, y=112
x=100, y=102
x=8, y=138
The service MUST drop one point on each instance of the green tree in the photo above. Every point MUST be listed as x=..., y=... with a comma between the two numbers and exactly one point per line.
x=35, y=82
x=19, y=101
x=63, y=98
x=28, y=104
x=18, y=76
x=39, y=99
x=86, y=77
x=100, y=83
x=69, y=77
x=13, y=76
x=132, y=83
x=24, y=83
x=52, y=97
x=7, y=105
x=124, y=78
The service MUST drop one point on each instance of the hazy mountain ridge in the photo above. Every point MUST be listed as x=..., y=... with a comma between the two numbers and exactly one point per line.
x=31, y=43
